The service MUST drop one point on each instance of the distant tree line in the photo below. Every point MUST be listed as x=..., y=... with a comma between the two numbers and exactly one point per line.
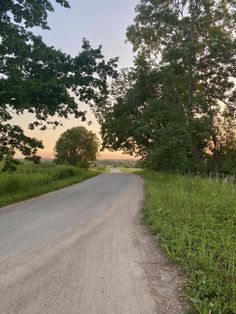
x=176, y=107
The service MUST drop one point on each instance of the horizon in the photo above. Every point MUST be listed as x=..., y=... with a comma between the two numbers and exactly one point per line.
x=67, y=36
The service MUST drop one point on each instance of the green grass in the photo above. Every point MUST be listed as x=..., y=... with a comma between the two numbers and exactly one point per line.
x=194, y=220
x=130, y=170
x=33, y=180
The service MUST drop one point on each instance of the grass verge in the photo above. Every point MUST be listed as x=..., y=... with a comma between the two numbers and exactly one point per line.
x=31, y=180
x=130, y=170
x=194, y=220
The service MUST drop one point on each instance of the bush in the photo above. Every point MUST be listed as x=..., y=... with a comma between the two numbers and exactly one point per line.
x=228, y=167
x=84, y=165
x=64, y=172
x=102, y=168
x=12, y=184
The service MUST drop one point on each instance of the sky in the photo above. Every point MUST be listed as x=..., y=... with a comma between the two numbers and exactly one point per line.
x=102, y=22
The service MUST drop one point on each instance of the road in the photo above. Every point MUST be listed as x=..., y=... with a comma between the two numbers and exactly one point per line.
x=83, y=250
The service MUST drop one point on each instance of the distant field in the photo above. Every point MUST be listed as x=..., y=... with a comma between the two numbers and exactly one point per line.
x=194, y=220
x=32, y=180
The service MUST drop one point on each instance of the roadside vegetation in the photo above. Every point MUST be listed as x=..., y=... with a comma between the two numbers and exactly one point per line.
x=130, y=170
x=194, y=220
x=175, y=108
x=31, y=180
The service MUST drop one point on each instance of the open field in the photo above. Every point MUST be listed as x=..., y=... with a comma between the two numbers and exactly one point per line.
x=33, y=180
x=194, y=220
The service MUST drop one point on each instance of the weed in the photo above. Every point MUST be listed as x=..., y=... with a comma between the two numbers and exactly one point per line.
x=31, y=180
x=195, y=221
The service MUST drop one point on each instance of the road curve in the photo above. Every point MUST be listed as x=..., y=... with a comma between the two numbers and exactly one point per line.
x=83, y=250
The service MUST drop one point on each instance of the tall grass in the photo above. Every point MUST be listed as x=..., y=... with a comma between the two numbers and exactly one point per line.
x=194, y=220
x=32, y=180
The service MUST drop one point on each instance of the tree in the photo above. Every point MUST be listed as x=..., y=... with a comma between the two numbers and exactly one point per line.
x=143, y=121
x=194, y=39
x=190, y=50
x=39, y=79
x=76, y=146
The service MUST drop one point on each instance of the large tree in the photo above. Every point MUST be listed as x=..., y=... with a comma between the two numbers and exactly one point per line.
x=39, y=79
x=190, y=48
x=76, y=146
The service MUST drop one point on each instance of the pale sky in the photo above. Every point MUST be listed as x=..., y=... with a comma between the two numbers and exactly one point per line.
x=101, y=22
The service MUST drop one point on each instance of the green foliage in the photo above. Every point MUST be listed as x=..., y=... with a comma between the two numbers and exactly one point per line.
x=140, y=164
x=39, y=79
x=103, y=168
x=175, y=106
x=194, y=220
x=35, y=159
x=64, y=172
x=10, y=164
x=228, y=164
x=83, y=164
x=76, y=146
x=31, y=180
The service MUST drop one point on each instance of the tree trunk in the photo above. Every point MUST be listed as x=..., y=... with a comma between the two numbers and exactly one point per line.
x=216, y=161
x=216, y=155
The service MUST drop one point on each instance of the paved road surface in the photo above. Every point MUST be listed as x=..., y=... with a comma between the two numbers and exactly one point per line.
x=83, y=250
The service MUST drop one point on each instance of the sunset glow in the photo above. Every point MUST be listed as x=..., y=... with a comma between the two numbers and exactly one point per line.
x=67, y=36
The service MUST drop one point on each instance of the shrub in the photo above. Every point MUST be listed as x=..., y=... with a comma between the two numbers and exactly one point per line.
x=12, y=184
x=64, y=172
x=84, y=165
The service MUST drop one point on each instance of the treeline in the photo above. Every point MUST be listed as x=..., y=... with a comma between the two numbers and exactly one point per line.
x=123, y=163
x=176, y=107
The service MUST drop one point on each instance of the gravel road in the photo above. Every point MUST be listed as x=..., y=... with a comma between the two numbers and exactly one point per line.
x=83, y=250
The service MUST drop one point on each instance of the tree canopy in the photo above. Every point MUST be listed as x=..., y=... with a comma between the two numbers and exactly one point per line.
x=42, y=80
x=179, y=100
x=76, y=146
